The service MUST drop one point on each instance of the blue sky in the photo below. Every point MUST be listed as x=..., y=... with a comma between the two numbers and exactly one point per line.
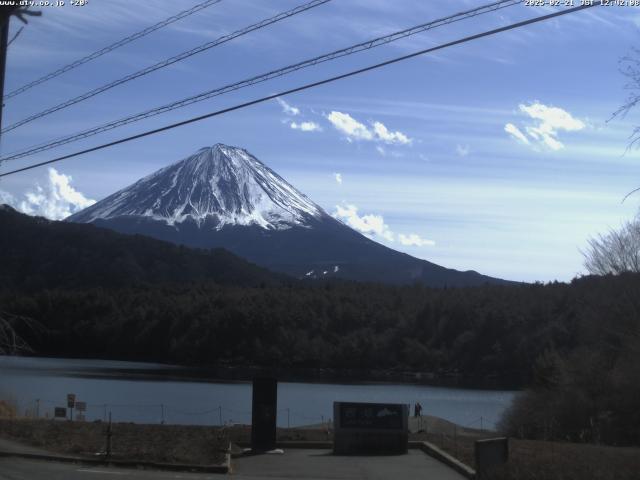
x=494, y=155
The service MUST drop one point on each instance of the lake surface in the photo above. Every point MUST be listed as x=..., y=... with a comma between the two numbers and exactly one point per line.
x=151, y=393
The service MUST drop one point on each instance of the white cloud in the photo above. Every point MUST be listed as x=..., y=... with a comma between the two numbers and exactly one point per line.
x=355, y=130
x=413, y=239
x=288, y=109
x=6, y=197
x=306, y=126
x=381, y=150
x=372, y=225
x=390, y=137
x=57, y=200
x=516, y=133
x=546, y=124
x=348, y=125
x=338, y=177
x=462, y=150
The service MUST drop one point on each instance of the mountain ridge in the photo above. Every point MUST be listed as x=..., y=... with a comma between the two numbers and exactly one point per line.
x=37, y=253
x=225, y=197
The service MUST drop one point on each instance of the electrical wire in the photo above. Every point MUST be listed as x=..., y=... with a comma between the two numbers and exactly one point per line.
x=113, y=46
x=307, y=86
x=263, y=77
x=167, y=62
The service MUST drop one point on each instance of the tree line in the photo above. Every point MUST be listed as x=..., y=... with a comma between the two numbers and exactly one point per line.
x=490, y=331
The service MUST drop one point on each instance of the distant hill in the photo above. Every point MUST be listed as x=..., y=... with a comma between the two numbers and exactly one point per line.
x=38, y=253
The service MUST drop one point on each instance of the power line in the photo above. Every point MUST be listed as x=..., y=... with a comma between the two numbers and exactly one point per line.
x=113, y=46
x=307, y=86
x=264, y=77
x=15, y=35
x=169, y=61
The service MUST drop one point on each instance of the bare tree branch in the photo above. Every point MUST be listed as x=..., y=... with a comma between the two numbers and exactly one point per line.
x=615, y=252
x=10, y=341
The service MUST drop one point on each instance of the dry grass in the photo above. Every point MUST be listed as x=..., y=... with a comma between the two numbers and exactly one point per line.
x=539, y=460
x=156, y=443
x=8, y=409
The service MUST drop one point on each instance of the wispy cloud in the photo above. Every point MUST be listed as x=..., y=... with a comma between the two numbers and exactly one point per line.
x=306, y=126
x=415, y=240
x=338, y=178
x=56, y=200
x=356, y=130
x=287, y=108
x=7, y=198
x=516, y=133
x=462, y=150
x=544, y=126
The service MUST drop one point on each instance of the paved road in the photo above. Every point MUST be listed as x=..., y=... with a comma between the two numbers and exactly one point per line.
x=321, y=465
x=298, y=464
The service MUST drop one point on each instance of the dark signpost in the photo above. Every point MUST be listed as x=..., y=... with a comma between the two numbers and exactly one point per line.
x=370, y=428
x=71, y=402
x=60, y=412
x=263, y=414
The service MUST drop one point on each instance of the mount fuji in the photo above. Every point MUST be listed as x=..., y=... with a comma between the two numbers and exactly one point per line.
x=223, y=196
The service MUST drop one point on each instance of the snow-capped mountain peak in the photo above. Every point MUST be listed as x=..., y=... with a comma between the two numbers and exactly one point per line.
x=221, y=184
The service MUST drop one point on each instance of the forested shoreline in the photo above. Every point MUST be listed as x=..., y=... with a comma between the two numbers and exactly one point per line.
x=481, y=332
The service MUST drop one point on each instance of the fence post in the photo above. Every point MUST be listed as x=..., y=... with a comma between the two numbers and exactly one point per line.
x=288, y=418
x=109, y=435
x=220, y=414
x=162, y=410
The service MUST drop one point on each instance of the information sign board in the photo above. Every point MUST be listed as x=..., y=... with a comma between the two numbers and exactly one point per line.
x=381, y=428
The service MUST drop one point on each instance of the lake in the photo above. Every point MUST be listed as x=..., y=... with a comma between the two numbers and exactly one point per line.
x=152, y=393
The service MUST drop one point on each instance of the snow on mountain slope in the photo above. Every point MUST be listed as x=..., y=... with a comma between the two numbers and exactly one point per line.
x=223, y=184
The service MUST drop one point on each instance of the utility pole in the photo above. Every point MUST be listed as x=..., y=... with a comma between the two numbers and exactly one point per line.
x=6, y=11
x=109, y=435
x=4, y=40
